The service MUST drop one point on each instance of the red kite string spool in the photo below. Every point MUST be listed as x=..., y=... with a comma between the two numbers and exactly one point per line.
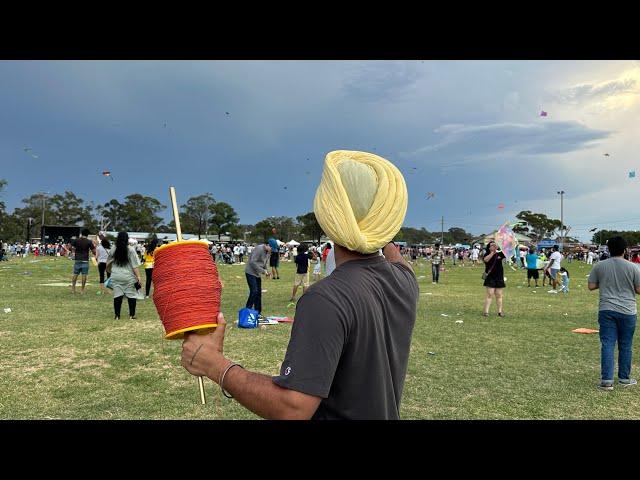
x=186, y=287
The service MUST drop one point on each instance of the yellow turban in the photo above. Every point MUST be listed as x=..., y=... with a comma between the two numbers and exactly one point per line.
x=361, y=201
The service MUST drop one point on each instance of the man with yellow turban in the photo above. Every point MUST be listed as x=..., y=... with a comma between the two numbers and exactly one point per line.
x=349, y=348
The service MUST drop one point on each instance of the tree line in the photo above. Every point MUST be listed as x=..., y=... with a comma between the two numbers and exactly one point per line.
x=204, y=215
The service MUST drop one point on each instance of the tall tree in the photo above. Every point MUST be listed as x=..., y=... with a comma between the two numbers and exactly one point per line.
x=11, y=228
x=310, y=227
x=540, y=225
x=69, y=209
x=33, y=208
x=223, y=217
x=285, y=226
x=196, y=214
x=112, y=216
x=140, y=213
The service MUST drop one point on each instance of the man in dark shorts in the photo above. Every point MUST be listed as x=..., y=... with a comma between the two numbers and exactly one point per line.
x=274, y=259
x=81, y=248
x=532, y=266
x=349, y=348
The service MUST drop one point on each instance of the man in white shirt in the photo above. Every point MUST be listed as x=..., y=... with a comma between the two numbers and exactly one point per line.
x=554, y=268
x=590, y=258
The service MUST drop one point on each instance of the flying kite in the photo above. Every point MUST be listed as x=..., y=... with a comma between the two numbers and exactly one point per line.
x=632, y=174
x=29, y=150
x=107, y=173
x=543, y=113
x=607, y=155
x=507, y=241
x=593, y=229
x=501, y=206
x=227, y=113
x=285, y=188
x=430, y=195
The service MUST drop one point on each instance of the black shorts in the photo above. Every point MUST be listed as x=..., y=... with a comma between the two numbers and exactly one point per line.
x=494, y=282
x=274, y=260
x=532, y=273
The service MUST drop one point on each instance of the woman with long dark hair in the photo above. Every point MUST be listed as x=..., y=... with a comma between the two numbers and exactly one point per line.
x=148, y=263
x=103, y=256
x=123, y=264
x=493, y=277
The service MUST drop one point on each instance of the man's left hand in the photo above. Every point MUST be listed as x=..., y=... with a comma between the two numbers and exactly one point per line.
x=202, y=353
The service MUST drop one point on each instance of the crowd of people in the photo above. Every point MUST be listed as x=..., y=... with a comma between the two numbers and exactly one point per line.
x=364, y=308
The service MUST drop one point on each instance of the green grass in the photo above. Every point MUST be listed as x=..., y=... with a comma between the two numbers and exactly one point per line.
x=65, y=357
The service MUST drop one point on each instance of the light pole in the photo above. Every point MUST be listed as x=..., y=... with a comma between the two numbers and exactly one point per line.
x=42, y=224
x=561, y=193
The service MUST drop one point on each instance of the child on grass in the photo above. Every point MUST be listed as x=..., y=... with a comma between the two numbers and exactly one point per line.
x=564, y=275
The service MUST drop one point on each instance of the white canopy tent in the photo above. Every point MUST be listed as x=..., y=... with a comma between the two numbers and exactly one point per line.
x=293, y=243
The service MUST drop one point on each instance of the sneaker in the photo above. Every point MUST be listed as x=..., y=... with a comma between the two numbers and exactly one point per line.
x=552, y=291
x=500, y=314
x=605, y=386
x=132, y=317
x=628, y=382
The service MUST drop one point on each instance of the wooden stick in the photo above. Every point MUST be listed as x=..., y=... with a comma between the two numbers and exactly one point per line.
x=176, y=219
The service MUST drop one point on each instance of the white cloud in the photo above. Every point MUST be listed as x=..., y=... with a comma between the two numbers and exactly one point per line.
x=620, y=92
x=468, y=142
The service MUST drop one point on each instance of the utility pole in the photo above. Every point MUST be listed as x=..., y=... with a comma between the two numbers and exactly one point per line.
x=561, y=193
x=42, y=224
x=442, y=232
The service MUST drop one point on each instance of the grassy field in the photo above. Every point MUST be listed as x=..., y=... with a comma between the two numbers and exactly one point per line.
x=64, y=357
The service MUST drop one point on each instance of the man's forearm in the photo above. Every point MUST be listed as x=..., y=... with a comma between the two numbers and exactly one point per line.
x=257, y=393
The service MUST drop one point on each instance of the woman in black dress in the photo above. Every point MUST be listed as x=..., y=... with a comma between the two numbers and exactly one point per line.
x=494, y=280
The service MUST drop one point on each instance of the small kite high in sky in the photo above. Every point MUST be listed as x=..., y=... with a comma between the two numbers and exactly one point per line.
x=543, y=113
x=107, y=173
x=632, y=174
x=226, y=113
x=501, y=206
x=593, y=229
x=29, y=150
x=430, y=195
x=607, y=155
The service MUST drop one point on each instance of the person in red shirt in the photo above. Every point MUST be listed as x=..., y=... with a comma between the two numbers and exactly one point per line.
x=636, y=257
x=325, y=252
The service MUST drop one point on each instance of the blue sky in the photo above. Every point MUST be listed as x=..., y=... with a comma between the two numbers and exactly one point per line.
x=469, y=131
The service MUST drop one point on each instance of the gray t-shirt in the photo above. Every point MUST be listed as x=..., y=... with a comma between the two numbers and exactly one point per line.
x=617, y=279
x=351, y=338
x=257, y=264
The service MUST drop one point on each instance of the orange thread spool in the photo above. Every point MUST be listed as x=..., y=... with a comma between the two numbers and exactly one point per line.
x=186, y=288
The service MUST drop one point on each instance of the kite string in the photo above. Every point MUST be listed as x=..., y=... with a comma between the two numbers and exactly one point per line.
x=187, y=288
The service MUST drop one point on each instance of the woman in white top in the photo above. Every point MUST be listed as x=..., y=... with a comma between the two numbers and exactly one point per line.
x=103, y=255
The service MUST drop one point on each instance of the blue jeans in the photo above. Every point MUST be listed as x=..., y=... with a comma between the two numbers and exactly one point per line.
x=435, y=272
x=255, y=293
x=616, y=327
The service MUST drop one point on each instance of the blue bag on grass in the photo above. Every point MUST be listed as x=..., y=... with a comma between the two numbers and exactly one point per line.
x=247, y=318
x=108, y=283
